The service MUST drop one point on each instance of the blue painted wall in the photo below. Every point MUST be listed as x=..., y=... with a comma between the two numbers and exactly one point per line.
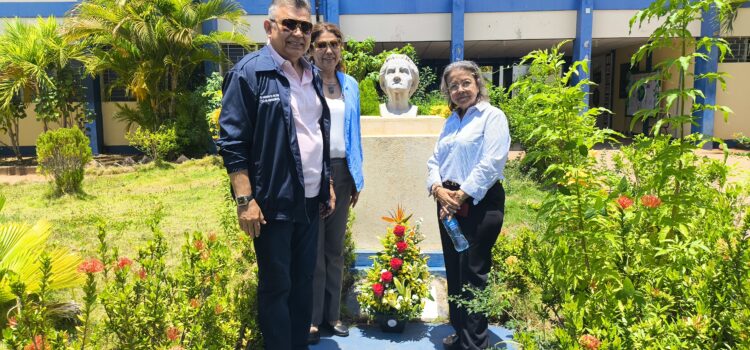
x=705, y=118
x=355, y=7
x=34, y=9
x=583, y=41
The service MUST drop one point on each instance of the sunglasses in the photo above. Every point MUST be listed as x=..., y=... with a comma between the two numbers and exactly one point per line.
x=322, y=45
x=292, y=25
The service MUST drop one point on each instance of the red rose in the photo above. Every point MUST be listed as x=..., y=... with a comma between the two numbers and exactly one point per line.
x=399, y=230
x=123, y=262
x=92, y=265
x=650, y=201
x=396, y=264
x=386, y=276
x=378, y=289
x=589, y=342
x=624, y=202
x=218, y=309
x=173, y=333
x=401, y=246
x=194, y=303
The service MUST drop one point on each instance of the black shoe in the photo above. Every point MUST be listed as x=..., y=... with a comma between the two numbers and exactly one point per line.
x=339, y=329
x=313, y=338
x=450, y=341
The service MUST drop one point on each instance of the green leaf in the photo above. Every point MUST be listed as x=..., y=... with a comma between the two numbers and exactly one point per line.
x=583, y=150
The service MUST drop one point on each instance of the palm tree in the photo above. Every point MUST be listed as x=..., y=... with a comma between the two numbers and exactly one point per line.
x=38, y=61
x=153, y=47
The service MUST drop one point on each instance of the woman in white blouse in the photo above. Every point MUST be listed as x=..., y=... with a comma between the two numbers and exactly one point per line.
x=464, y=175
x=342, y=96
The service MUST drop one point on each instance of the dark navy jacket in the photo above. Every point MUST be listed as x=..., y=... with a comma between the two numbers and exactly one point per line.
x=257, y=133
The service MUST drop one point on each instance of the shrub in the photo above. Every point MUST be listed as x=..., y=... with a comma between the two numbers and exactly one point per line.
x=155, y=144
x=63, y=154
x=349, y=258
x=650, y=253
x=398, y=281
x=369, y=101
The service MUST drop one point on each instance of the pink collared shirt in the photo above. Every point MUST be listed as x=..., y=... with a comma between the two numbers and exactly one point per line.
x=307, y=109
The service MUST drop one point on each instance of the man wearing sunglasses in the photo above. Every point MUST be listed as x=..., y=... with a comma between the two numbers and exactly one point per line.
x=275, y=144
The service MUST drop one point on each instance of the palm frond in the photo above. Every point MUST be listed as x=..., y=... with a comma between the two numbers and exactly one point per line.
x=21, y=246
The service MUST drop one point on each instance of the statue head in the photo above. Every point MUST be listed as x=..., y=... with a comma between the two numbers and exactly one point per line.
x=399, y=76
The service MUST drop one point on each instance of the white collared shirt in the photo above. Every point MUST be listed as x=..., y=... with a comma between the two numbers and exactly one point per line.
x=471, y=151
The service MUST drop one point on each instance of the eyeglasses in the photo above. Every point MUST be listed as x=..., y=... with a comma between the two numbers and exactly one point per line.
x=292, y=25
x=323, y=45
x=464, y=84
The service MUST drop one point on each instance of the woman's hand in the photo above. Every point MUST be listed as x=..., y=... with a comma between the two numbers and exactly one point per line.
x=460, y=197
x=444, y=213
x=447, y=199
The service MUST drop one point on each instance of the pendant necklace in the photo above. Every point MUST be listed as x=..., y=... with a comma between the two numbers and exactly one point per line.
x=331, y=87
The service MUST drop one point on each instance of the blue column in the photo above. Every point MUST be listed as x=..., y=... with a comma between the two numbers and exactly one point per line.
x=705, y=118
x=582, y=43
x=457, y=30
x=332, y=11
x=209, y=27
x=94, y=104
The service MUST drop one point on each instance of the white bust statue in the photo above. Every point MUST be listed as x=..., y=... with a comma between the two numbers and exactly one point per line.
x=399, y=79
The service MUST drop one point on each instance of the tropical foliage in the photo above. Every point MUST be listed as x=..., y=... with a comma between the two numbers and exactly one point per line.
x=648, y=253
x=40, y=66
x=398, y=281
x=153, y=48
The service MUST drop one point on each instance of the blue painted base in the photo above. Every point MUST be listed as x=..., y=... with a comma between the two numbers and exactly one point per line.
x=416, y=336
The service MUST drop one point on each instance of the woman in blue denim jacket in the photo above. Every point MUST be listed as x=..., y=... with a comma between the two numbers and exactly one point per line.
x=342, y=97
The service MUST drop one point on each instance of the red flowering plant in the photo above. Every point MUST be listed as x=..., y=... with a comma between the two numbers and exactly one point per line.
x=398, y=281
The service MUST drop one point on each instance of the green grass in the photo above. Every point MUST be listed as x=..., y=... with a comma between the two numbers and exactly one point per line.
x=522, y=196
x=190, y=195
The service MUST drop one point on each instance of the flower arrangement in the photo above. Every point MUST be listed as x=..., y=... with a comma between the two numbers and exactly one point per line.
x=398, y=282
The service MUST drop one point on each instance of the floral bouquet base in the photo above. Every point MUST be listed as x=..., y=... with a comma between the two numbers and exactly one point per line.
x=395, y=288
x=391, y=323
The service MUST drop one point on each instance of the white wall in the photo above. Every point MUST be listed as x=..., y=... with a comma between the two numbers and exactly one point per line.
x=398, y=27
x=520, y=25
x=741, y=24
x=615, y=24
x=255, y=32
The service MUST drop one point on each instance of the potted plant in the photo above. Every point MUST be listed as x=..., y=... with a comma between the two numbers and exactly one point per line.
x=396, y=286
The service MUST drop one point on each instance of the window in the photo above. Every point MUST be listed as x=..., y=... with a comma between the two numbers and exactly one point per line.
x=113, y=94
x=234, y=52
x=740, y=49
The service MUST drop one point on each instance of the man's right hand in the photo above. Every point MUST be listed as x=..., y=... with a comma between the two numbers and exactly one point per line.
x=250, y=218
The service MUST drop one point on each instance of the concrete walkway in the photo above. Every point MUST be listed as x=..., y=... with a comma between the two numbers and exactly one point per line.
x=416, y=336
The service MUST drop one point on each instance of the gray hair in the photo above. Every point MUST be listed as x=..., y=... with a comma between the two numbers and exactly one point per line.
x=473, y=69
x=297, y=4
x=409, y=64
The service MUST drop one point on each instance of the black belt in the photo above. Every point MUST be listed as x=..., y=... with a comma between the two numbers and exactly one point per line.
x=451, y=185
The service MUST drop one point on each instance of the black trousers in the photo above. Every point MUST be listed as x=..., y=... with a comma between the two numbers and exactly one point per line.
x=286, y=253
x=329, y=270
x=481, y=227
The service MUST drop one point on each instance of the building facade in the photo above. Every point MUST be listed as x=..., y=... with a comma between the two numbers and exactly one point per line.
x=494, y=33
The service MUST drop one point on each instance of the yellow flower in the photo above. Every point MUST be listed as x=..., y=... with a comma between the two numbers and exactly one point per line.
x=511, y=260
x=440, y=110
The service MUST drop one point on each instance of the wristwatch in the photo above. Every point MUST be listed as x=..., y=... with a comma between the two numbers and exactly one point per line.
x=243, y=200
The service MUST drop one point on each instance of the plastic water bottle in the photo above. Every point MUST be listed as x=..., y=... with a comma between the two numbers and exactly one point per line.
x=454, y=232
